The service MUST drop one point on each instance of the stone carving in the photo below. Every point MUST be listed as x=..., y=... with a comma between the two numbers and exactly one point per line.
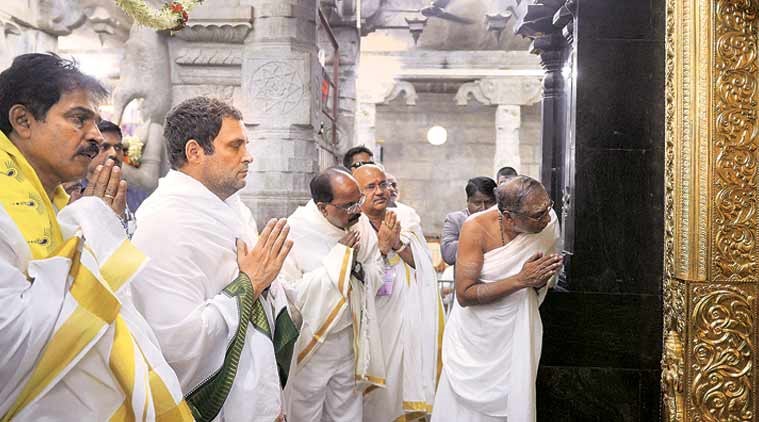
x=673, y=378
x=721, y=344
x=346, y=9
x=146, y=73
x=277, y=87
x=491, y=91
x=60, y=17
x=185, y=92
x=405, y=88
x=233, y=34
x=473, y=89
x=736, y=141
x=209, y=57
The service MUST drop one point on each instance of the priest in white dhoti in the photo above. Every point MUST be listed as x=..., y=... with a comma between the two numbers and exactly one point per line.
x=221, y=321
x=73, y=345
x=335, y=274
x=408, y=307
x=507, y=259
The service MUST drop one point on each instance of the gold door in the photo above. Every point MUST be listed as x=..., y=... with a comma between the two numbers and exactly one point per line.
x=711, y=217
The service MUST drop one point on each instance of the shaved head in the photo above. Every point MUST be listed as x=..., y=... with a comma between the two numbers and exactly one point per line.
x=373, y=183
x=368, y=171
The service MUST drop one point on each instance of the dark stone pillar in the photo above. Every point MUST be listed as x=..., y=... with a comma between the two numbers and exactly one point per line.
x=602, y=339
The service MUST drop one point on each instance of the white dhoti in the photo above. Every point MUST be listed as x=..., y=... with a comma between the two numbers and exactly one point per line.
x=217, y=338
x=411, y=326
x=325, y=389
x=491, y=352
x=338, y=354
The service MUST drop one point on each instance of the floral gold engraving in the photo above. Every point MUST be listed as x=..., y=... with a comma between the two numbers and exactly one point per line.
x=735, y=141
x=721, y=358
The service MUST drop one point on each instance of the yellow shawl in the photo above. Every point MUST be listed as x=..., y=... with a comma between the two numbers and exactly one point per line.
x=24, y=199
x=34, y=214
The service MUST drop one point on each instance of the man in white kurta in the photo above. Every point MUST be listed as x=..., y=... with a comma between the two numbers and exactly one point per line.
x=408, y=308
x=73, y=346
x=491, y=347
x=217, y=333
x=335, y=274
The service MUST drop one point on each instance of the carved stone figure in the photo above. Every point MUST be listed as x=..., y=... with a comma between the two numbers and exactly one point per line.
x=146, y=74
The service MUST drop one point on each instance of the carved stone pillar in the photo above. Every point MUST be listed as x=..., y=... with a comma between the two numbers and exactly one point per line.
x=552, y=50
x=349, y=40
x=509, y=95
x=281, y=79
x=507, y=122
x=366, y=119
x=367, y=110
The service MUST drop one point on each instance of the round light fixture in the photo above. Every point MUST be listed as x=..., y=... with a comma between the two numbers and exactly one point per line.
x=437, y=135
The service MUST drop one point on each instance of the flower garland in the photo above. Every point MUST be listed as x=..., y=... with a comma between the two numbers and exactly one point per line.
x=133, y=155
x=172, y=16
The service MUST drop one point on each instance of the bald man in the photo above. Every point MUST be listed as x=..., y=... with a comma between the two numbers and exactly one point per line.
x=408, y=306
x=507, y=259
x=335, y=274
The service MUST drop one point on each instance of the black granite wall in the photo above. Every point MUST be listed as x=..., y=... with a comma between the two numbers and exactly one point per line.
x=602, y=340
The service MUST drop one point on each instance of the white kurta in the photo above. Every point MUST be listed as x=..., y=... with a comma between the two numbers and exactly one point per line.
x=491, y=352
x=323, y=375
x=190, y=234
x=34, y=316
x=411, y=322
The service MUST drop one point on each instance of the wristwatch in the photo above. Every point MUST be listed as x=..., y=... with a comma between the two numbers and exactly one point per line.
x=403, y=246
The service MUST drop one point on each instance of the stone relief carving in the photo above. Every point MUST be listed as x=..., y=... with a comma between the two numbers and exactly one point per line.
x=280, y=90
x=722, y=324
x=209, y=56
x=473, y=89
x=185, y=92
x=518, y=91
x=233, y=34
x=146, y=74
x=60, y=17
x=277, y=87
x=405, y=88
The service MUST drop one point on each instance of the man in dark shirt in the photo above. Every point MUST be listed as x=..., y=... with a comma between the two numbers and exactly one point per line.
x=480, y=196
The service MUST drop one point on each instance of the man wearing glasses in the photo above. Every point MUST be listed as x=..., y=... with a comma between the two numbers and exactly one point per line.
x=507, y=259
x=357, y=157
x=408, y=306
x=335, y=274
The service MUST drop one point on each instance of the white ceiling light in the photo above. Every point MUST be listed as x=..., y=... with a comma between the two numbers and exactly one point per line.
x=437, y=135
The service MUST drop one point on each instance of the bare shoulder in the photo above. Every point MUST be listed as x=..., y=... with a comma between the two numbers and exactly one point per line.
x=479, y=222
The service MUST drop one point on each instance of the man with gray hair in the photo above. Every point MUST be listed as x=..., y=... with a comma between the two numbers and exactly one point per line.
x=507, y=260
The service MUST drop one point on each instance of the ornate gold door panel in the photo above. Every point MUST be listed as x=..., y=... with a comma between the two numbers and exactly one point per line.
x=711, y=211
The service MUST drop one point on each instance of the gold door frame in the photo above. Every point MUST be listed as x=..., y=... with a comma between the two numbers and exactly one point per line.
x=711, y=241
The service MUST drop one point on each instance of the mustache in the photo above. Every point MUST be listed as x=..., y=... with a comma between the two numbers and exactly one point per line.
x=91, y=150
